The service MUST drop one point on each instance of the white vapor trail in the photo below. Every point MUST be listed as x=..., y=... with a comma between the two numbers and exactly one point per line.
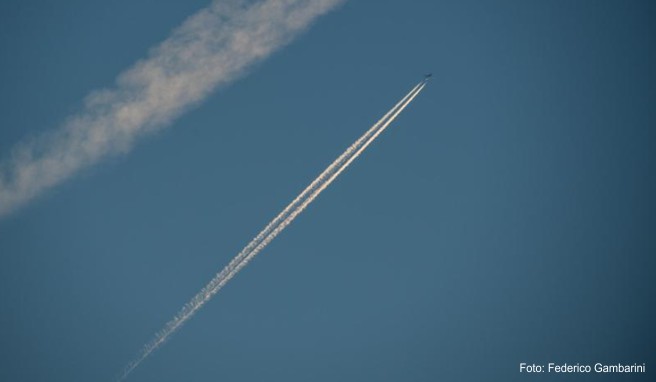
x=211, y=48
x=277, y=225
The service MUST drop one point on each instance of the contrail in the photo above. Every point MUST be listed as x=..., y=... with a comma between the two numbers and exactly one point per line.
x=277, y=225
x=211, y=48
x=285, y=212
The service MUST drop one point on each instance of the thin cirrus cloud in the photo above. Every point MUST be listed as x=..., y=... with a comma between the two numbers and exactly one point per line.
x=211, y=48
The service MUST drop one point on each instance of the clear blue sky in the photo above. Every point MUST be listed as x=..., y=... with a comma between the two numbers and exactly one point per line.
x=507, y=216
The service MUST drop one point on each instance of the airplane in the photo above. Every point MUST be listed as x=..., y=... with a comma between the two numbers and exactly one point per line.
x=427, y=76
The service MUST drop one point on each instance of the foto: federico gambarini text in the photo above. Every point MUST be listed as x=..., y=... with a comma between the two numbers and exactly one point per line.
x=581, y=368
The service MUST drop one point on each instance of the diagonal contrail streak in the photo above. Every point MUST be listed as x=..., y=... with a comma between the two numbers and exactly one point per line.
x=275, y=227
x=309, y=199
x=291, y=206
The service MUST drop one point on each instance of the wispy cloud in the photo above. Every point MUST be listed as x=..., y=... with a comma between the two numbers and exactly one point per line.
x=211, y=48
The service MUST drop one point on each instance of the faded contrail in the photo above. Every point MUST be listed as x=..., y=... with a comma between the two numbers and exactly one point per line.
x=211, y=48
x=277, y=225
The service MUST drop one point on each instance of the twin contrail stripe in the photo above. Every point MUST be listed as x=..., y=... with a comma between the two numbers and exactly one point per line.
x=285, y=212
x=311, y=198
x=277, y=225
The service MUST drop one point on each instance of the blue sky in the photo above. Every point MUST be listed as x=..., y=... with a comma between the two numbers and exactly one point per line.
x=507, y=216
